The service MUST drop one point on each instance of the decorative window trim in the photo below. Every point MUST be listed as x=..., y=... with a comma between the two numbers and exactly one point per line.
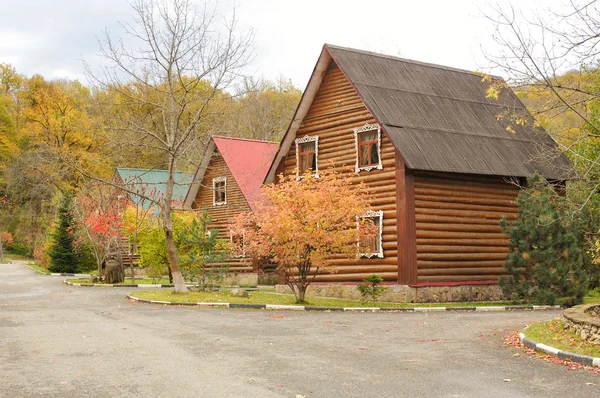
x=231, y=233
x=214, y=183
x=357, y=131
x=307, y=138
x=372, y=214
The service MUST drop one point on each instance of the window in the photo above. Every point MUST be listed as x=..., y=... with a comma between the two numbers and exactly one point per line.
x=307, y=151
x=237, y=241
x=219, y=191
x=368, y=147
x=372, y=247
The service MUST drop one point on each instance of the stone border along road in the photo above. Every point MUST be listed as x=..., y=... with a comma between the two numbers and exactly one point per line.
x=354, y=309
x=578, y=358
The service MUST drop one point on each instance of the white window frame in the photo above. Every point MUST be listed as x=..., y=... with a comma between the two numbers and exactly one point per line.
x=372, y=214
x=305, y=139
x=231, y=233
x=365, y=128
x=214, y=183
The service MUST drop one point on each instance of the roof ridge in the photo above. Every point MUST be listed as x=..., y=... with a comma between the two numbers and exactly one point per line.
x=244, y=139
x=407, y=60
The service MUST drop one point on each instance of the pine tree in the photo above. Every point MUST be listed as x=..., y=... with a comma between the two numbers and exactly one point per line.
x=63, y=257
x=548, y=257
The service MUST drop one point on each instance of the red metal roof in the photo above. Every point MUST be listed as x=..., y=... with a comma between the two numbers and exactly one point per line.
x=248, y=161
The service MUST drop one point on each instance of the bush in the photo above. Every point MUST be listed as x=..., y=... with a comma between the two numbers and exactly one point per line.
x=153, y=247
x=371, y=291
x=199, y=246
x=548, y=257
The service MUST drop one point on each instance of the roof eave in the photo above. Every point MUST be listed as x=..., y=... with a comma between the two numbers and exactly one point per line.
x=305, y=102
x=199, y=176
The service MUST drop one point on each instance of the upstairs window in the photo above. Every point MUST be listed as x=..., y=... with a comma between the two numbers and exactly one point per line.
x=372, y=247
x=307, y=151
x=219, y=191
x=368, y=147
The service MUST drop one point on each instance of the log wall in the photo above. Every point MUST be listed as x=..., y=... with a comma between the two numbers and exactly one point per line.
x=458, y=234
x=221, y=215
x=333, y=115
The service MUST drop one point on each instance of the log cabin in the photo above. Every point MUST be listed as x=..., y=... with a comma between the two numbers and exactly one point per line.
x=228, y=182
x=442, y=164
x=229, y=178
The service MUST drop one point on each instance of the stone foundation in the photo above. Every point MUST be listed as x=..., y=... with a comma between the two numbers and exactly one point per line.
x=408, y=294
x=249, y=279
x=242, y=279
x=585, y=321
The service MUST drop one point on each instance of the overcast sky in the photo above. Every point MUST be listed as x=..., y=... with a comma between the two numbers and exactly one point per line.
x=51, y=37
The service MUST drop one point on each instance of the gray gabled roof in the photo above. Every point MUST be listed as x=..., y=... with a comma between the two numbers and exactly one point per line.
x=439, y=117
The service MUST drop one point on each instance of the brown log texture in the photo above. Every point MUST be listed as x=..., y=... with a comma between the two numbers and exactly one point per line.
x=221, y=215
x=458, y=226
x=333, y=115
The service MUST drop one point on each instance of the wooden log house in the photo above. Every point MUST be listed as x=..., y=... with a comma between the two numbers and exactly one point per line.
x=228, y=182
x=149, y=183
x=439, y=162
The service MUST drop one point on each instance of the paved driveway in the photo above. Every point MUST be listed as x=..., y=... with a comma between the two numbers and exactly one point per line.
x=70, y=342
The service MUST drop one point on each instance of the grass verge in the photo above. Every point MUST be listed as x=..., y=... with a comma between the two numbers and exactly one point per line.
x=39, y=268
x=593, y=297
x=270, y=297
x=554, y=334
x=139, y=281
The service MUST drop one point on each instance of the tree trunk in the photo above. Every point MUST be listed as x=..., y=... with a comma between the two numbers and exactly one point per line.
x=131, y=267
x=178, y=281
x=301, y=294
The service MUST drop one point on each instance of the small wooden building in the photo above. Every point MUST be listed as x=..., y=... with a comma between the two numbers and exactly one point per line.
x=430, y=146
x=229, y=178
x=153, y=184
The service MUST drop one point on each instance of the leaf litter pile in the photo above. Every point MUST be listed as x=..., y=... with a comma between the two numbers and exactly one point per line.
x=513, y=340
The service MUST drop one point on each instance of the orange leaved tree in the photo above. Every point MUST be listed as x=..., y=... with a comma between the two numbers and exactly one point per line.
x=301, y=223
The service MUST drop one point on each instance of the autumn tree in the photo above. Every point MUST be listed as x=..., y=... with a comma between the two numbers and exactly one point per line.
x=303, y=222
x=550, y=58
x=263, y=109
x=180, y=60
x=97, y=212
x=135, y=222
x=60, y=132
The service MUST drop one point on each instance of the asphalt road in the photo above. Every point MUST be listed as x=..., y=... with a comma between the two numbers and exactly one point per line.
x=65, y=341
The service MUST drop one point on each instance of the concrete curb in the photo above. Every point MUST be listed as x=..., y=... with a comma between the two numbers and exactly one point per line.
x=349, y=309
x=578, y=358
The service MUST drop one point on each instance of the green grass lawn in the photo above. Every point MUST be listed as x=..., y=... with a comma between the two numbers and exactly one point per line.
x=39, y=268
x=554, y=334
x=270, y=297
x=593, y=297
x=139, y=281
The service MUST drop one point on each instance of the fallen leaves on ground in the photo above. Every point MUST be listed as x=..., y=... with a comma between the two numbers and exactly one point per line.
x=514, y=340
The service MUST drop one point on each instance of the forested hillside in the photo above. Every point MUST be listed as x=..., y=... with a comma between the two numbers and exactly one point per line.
x=54, y=133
